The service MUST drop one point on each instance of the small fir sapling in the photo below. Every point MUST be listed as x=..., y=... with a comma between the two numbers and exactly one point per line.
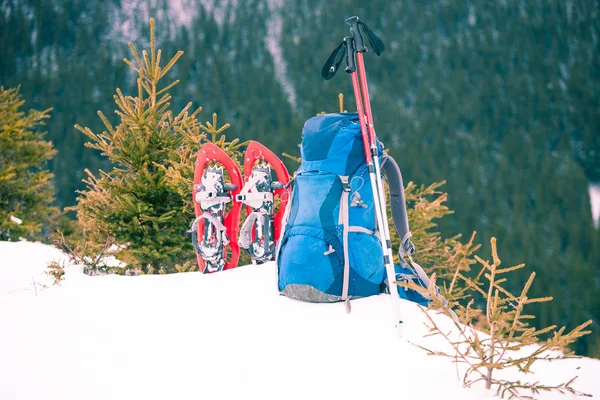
x=145, y=200
x=500, y=337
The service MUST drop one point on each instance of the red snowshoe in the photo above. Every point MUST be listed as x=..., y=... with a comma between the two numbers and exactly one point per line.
x=215, y=229
x=265, y=179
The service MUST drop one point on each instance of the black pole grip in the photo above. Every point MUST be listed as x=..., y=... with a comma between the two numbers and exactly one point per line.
x=360, y=31
x=357, y=34
x=350, y=54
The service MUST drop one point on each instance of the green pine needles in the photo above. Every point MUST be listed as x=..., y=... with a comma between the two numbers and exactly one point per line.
x=144, y=203
x=180, y=171
x=26, y=189
x=425, y=205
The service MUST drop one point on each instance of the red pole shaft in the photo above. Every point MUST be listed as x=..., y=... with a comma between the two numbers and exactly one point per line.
x=361, y=116
x=364, y=88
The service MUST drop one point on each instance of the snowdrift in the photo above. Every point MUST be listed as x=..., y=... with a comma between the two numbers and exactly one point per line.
x=228, y=335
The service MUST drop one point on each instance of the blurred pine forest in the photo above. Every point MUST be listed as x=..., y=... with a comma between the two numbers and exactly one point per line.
x=499, y=98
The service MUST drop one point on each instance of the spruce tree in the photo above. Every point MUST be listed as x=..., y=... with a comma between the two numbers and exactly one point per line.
x=133, y=203
x=26, y=190
x=144, y=204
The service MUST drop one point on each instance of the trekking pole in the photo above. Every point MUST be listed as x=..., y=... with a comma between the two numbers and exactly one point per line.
x=348, y=48
x=359, y=30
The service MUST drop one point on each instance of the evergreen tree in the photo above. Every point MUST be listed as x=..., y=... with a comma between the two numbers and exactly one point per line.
x=133, y=202
x=144, y=204
x=26, y=189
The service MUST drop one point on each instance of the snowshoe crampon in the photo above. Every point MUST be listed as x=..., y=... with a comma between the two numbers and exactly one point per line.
x=265, y=195
x=215, y=229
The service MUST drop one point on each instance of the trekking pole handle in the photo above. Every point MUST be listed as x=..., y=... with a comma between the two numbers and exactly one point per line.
x=360, y=31
x=350, y=54
x=357, y=33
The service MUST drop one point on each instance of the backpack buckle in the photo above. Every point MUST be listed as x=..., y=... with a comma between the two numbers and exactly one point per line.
x=345, y=184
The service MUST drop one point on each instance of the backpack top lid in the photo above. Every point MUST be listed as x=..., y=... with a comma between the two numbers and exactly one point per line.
x=333, y=143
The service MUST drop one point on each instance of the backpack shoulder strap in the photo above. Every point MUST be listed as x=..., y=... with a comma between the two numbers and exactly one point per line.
x=400, y=217
x=398, y=204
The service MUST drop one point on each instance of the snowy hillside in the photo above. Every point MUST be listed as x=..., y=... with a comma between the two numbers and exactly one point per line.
x=595, y=201
x=223, y=336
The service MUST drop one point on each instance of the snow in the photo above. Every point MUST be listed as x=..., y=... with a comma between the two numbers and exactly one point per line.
x=219, y=336
x=127, y=17
x=594, y=190
x=218, y=8
x=18, y=276
x=273, y=44
x=472, y=15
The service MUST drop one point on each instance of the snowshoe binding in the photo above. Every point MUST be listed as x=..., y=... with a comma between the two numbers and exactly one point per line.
x=215, y=229
x=261, y=229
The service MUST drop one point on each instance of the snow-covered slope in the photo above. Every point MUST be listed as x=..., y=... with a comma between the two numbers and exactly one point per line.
x=595, y=201
x=222, y=336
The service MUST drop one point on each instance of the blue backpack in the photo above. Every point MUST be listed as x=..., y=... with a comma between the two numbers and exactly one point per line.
x=330, y=250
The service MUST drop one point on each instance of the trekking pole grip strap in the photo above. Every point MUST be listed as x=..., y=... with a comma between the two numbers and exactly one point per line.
x=333, y=62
